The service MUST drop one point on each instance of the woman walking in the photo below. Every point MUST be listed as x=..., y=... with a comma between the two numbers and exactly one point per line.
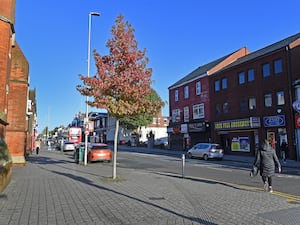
x=266, y=160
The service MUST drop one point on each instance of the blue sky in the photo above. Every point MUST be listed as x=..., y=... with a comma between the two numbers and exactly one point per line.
x=179, y=36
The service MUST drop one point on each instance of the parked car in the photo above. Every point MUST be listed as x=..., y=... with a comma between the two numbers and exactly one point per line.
x=68, y=146
x=206, y=151
x=99, y=152
x=161, y=142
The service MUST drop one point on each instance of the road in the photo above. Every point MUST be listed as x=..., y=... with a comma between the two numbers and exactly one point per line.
x=288, y=182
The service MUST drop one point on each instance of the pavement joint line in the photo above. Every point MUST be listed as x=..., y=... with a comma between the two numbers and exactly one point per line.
x=289, y=197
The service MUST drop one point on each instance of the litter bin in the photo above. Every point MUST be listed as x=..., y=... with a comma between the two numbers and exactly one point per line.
x=81, y=154
x=76, y=155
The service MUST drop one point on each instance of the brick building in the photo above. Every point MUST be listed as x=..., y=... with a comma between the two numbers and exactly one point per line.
x=189, y=102
x=248, y=100
x=14, y=88
x=252, y=99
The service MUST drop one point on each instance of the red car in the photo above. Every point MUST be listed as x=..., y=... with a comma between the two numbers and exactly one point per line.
x=99, y=152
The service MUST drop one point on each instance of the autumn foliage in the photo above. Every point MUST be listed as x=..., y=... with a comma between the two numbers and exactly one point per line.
x=123, y=81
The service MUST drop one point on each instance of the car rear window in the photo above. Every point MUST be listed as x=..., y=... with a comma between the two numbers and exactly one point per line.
x=100, y=147
x=216, y=147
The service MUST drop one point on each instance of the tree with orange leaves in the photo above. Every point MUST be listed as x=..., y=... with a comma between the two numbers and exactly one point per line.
x=122, y=84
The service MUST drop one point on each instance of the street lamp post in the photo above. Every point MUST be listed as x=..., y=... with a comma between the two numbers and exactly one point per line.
x=86, y=124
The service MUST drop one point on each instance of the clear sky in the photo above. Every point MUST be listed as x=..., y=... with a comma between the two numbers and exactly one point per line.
x=178, y=35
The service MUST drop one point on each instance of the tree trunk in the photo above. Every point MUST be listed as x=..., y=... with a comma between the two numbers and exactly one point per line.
x=115, y=150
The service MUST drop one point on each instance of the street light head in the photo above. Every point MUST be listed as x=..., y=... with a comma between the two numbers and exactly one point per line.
x=94, y=14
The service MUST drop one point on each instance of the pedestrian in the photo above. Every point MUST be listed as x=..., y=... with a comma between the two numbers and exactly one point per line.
x=283, y=150
x=266, y=160
x=37, y=146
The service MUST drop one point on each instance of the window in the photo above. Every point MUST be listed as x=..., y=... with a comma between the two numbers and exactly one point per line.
x=268, y=100
x=226, y=107
x=266, y=69
x=224, y=83
x=243, y=105
x=218, y=109
x=198, y=88
x=186, y=114
x=176, y=95
x=280, y=98
x=252, y=103
x=175, y=115
x=278, y=66
x=186, y=92
x=241, y=78
x=217, y=85
x=198, y=111
x=250, y=75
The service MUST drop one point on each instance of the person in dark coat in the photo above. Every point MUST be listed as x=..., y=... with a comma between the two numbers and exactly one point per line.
x=266, y=160
x=283, y=149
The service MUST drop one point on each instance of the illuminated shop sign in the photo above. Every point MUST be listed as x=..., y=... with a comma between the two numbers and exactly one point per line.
x=252, y=122
x=274, y=121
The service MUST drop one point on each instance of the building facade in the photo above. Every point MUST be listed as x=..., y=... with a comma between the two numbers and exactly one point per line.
x=254, y=97
x=252, y=100
x=189, y=102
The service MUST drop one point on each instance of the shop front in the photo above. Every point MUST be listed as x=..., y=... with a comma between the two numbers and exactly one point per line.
x=238, y=136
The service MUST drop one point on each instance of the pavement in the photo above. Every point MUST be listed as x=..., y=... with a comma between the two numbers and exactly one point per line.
x=53, y=190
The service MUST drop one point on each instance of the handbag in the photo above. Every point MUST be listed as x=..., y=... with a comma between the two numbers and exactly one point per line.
x=254, y=171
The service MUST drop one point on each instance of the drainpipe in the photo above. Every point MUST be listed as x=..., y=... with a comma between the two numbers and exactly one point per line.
x=296, y=87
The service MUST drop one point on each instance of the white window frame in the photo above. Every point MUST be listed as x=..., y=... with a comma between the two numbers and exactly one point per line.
x=280, y=97
x=176, y=95
x=175, y=113
x=198, y=88
x=198, y=111
x=186, y=114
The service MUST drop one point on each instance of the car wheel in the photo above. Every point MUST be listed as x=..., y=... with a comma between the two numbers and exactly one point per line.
x=189, y=155
x=205, y=157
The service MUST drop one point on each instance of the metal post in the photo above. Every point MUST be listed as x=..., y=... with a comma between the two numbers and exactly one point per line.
x=86, y=124
x=183, y=164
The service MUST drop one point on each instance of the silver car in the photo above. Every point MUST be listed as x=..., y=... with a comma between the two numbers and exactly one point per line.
x=68, y=146
x=206, y=151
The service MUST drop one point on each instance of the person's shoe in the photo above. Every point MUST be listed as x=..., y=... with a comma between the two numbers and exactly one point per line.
x=266, y=186
x=270, y=189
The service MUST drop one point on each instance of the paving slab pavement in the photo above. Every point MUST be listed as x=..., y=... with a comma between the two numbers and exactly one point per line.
x=53, y=190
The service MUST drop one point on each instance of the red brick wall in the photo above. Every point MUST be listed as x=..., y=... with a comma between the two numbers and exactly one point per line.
x=16, y=131
x=5, y=49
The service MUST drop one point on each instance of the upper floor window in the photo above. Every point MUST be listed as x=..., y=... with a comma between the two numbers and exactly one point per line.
x=175, y=115
x=198, y=88
x=225, y=107
x=241, y=78
x=186, y=114
x=280, y=98
x=250, y=75
x=186, y=92
x=198, y=111
x=243, y=105
x=224, y=83
x=266, y=70
x=278, y=66
x=217, y=85
x=268, y=100
x=218, y=109
x=252, y=103
x=176, y=95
